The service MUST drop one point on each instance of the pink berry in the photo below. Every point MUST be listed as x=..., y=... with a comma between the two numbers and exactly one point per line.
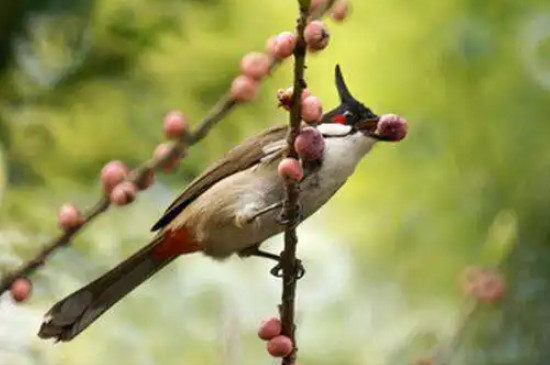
x=174, y=124
x=269, y=328
x=312, y=109
x=305, y=94
x=124, y=193
x=392, y=127
x=69, y=217
x=309, y=144
x=492, y=288
x=316, y=35
x=285, y=97
x=483, y=284
x=112, y=174
x=290, y=169
x=20, y=289
x=255, y=65
x=279, y=346
x=282, y=46
x=339, y=11
x=271, y=46
x=244, y=88
x=147, y=180
x=160, y=152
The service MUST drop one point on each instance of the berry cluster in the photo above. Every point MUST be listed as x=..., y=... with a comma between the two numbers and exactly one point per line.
x=118, y=187
x=255, y=66
x=277, y=345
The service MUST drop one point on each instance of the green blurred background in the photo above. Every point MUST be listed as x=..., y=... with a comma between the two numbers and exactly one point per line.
x=83, y=82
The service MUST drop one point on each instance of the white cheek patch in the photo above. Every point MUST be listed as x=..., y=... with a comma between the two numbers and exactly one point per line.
x=334, y=129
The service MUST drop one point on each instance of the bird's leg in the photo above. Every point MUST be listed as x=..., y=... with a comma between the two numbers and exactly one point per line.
x=255, y=251
x=277, y=269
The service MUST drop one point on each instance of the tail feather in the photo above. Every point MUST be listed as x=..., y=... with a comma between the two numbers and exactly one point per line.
x=72, y=315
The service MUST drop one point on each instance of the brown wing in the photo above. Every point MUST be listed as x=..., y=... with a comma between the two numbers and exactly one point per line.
x=245, y=155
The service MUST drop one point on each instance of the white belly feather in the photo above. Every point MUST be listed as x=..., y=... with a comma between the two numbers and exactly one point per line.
x=214, y=214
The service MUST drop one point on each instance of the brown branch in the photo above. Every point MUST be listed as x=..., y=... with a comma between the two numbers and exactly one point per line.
x=291, y=208
x=216, y=114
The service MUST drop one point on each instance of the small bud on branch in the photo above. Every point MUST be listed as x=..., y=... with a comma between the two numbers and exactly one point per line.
x=174, y=124
x=316, y=35
x=21, y=289
x=69, y=217
x=312, y=110
x=290, y=169
x=309, y=144
x=113, y=174
x=339, y=11
x=244, y=88
x=255, y=65
x=279, y=346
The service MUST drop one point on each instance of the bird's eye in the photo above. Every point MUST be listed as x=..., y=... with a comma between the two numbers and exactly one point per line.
x=349, y=116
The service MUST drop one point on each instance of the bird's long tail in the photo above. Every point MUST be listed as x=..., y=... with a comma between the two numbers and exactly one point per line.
x=72, y=315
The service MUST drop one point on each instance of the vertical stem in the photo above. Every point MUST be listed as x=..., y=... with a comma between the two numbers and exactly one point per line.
x=291, y=208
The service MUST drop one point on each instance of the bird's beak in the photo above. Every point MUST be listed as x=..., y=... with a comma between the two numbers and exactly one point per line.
x=388, y=127
x=369, y=127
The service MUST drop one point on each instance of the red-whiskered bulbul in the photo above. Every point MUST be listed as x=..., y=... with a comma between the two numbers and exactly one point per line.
x=232, y=207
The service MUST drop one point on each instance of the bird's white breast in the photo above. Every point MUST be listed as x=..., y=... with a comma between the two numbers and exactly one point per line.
x=219, y=215
x=340, y=158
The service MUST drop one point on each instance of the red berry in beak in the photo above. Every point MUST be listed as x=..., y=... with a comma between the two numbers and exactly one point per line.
x=391, y=127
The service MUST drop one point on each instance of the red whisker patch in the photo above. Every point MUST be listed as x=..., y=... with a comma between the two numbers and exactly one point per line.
x=339, y=118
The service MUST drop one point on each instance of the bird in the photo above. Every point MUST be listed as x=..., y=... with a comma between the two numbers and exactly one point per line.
x=233, y=206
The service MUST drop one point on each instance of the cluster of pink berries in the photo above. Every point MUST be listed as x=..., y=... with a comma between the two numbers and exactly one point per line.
x=485, y=285
x=309, y=143
x=256, y=65
x=312, y=109
x=277, y=344
x=120, y=190
x=114, y=175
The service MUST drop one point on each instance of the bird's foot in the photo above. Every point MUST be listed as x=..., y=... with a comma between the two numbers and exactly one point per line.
x=277, y=270
x=299, y=270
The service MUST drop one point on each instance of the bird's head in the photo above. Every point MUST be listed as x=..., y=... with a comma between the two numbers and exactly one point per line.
x=351, y=112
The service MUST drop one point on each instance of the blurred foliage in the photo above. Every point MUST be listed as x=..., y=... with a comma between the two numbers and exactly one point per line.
x=83, y=82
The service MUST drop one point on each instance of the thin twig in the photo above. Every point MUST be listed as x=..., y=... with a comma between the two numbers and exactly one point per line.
x=291, y=208
x=216, y=114
x=445, y=355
